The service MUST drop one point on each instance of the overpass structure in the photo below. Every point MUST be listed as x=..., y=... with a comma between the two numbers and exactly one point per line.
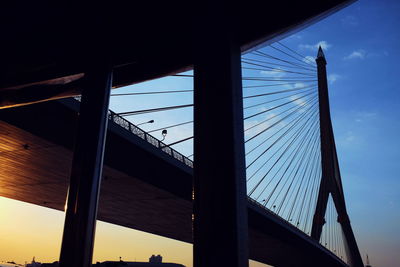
x=146, y=184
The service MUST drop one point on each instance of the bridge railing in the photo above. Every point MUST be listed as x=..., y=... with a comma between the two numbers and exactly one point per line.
x=127, y=125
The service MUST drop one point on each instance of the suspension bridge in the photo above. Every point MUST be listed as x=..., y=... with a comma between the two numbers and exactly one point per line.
x=266, y=185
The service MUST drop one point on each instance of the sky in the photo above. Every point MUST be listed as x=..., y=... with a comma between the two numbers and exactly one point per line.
x=361, y=46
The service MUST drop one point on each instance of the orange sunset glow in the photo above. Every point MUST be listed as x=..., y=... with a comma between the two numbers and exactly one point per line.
x=38, y=231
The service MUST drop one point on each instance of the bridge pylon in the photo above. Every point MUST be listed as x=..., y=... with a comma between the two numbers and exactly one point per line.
x=331, y=182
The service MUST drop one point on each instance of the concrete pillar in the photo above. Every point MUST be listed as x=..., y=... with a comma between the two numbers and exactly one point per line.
x=220, y=212
x=80, y=221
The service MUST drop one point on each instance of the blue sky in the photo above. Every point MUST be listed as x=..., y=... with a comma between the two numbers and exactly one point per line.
x=363, y=55
x=361, y=46
x=362, y=49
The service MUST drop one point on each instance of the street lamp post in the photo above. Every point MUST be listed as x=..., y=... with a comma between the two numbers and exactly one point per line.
x=164, y=134
x=150, y=121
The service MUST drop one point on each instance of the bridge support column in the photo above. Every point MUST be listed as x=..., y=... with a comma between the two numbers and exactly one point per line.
x=87, y=164
x=331, y=182
x=220, y=213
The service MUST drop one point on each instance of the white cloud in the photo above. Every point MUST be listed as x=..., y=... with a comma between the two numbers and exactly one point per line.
x=333, y=78
x=365, y=115
x=299, y=102
x=248, y=124
x=251, y=124
x=299, y=85
x=358, y=54
x=324, y=44
x=350, y=137
x=276, y=72
x=309, y=59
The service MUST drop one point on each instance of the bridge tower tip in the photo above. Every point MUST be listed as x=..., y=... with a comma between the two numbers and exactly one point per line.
x=320, y=53
x=320, y=57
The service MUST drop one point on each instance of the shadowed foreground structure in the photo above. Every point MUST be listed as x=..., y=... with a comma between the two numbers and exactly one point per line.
x=143, y=187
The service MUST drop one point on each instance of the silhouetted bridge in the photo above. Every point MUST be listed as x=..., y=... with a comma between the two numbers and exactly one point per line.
x=297, y=192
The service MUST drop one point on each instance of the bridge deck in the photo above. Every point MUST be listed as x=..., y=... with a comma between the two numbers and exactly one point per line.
x=134, y=193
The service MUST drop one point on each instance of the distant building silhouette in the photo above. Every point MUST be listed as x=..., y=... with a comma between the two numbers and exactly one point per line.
x=368, y=264
x=154, y=261
x=34, y=263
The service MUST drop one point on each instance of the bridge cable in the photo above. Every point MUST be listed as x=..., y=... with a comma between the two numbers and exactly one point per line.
x=292, y=139
x=277, y=115
x=274, y=124
x=278, y=106
x=144, y=111
x=280, y=65
x=302, y=65
x=287, y=162
x=153, y=93
x=273, y=47
x=280, y=92
x=295, y=52
x=275, y=79
x=279, y=138
x=298, y=164
x=170, y=126
x=311, y=156
x=296, y=182
x=259, y=63
x=277, y=71
x=178, y=142
x=291, y=156
x=262, y=54
x=272, y=69
x=249, y=165
x=269, y=85
x=312, y=197
x=311, y=179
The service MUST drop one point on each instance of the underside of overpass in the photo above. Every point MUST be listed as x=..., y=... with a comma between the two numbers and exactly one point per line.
x=47, y=52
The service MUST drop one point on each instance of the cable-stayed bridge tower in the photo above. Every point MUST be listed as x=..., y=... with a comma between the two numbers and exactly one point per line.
x=331, y=182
